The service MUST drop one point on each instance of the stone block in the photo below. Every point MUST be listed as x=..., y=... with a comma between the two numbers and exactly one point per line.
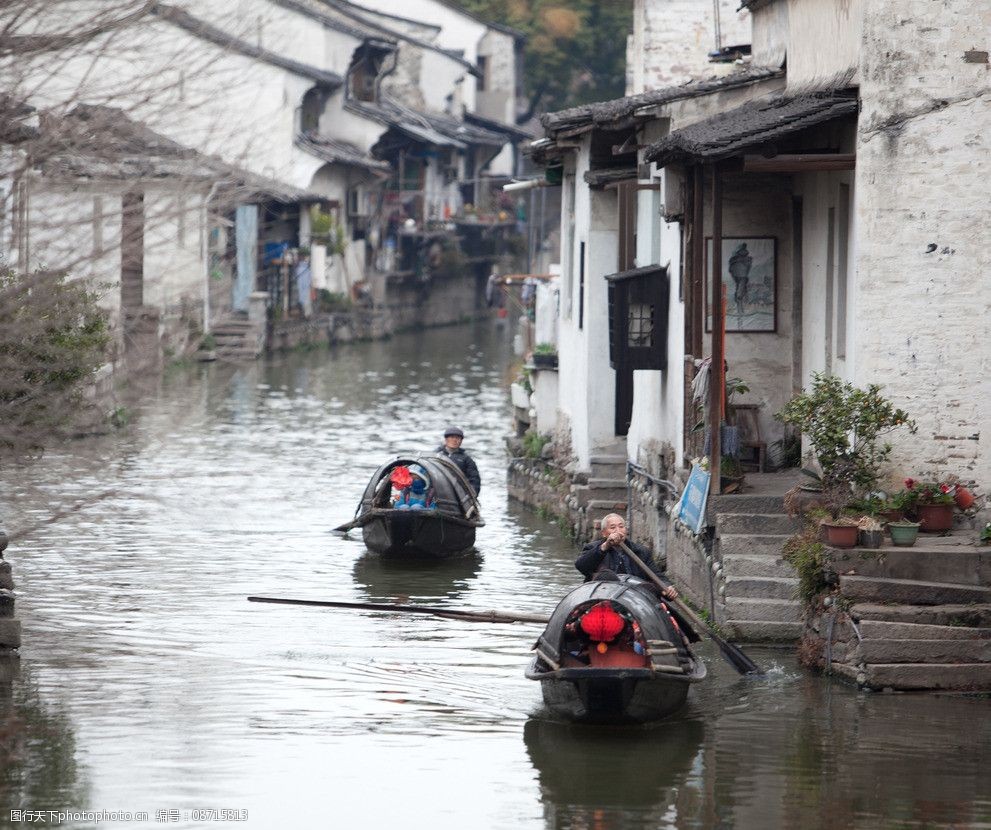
x=763, y=631
x=926, y=651
x=919, y=676
x=761, y=587
x=769, y=610
x=736, y=565
x=910, y=591
x=10, y=633
x=969, y=615
x=882, y=630
x=756, y=523
x=964, y=565
x=749, y=545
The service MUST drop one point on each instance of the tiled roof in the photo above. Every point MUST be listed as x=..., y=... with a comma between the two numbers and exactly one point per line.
x=619, y=112
x=755, y=122
x=339, y=152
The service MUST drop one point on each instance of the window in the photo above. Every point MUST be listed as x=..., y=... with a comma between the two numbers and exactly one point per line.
x=638, y=318
x=483, y=72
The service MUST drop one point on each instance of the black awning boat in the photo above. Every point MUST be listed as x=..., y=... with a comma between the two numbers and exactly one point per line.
x=416, y=507
x=612, y=653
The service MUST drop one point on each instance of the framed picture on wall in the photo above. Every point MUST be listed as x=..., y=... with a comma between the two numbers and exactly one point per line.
x=750, y=274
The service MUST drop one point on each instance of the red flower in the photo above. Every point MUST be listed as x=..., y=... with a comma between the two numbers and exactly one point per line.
x=945, y=488
x=910, y=483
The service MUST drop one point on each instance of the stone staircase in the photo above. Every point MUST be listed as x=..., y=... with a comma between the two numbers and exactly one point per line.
x=754, y=587
x=919, y=617
x=604, y=491
x=238, y=338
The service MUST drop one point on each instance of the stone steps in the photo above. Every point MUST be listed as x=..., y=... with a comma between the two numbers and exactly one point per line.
x=758, y=524
x=763, y=631
x=955, y=615
x=910, y=591
x=925, y=651
x=739, y=564
x=913, y=676
x=959, y=565
x=598, y=489
x=883, y=630
x=734, y=504
x=767, y=610
x=761, y=587
x=752, y=545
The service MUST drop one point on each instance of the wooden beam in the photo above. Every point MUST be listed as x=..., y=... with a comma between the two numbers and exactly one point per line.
x=717, y=373
x=800, y=163
x=698, y=261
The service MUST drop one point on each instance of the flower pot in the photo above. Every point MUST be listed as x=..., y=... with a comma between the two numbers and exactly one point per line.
x=935, y=518
x=871, y=538
x=963, y=497
x=544, y=361
x=841, y=536
x=903, y=534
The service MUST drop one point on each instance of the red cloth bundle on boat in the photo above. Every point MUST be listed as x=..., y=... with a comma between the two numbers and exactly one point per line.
x=401, y=478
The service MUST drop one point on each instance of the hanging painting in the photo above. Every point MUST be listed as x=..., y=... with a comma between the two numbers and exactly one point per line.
x=749, y=271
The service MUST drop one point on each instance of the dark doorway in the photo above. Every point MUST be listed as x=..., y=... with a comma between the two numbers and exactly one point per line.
x=132, y=250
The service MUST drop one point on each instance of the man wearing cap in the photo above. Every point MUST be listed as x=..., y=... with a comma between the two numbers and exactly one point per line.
x=451, y=450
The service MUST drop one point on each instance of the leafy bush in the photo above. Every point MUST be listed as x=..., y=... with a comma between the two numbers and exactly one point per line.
x=844, y=425
x=53, y=337
x=808, y=557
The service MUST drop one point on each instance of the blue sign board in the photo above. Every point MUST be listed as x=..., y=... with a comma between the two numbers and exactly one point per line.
x=691, y=507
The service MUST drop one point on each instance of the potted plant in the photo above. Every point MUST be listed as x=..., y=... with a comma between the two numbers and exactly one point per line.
x=544, y=356
x=842, y=532
x=963, y=497
x=731, y=474
x=934, y=507
x=871, y=533
x=903, y=533
x=844, y=424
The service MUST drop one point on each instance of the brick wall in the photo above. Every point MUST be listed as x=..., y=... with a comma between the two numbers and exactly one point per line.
x=923, y=289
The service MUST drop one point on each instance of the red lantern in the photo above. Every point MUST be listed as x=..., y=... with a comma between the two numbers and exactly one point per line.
x=602, y=623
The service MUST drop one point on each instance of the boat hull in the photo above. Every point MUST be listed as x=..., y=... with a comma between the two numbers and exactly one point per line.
x=611, y=695
x=417, y=534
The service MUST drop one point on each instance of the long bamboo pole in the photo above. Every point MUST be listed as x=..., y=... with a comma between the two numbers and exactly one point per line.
x=717, y=377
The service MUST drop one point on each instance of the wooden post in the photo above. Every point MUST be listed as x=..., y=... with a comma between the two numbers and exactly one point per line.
x=698, y=263
x=717, y=377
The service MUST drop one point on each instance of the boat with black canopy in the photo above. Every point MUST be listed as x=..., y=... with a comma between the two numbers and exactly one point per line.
x=418, y=507
x=612, y=652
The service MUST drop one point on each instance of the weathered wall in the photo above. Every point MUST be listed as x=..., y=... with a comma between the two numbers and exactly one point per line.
x=672, y=39
x=498, y=99
x=923, y=284
x=819, y=38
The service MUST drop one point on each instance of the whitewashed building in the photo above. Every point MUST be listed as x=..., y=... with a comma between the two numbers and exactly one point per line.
x=840, y=172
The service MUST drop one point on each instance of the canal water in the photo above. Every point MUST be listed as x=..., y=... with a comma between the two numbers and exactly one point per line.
x=149, y=683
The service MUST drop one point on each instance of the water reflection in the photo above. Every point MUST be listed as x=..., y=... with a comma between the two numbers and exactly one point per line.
x=614, y=778
x=382, y=579
x=38, y=751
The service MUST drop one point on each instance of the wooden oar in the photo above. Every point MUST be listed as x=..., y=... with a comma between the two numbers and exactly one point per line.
x=397, y=608
x=733, y=654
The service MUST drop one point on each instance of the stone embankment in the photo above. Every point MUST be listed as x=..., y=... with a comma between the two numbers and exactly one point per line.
x=10, y=626
x=907, y=618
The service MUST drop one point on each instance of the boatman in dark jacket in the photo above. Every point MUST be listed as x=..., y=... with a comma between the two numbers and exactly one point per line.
x=451, y=450
x=605, y=554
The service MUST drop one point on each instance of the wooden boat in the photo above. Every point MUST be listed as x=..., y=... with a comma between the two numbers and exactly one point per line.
x=611, y=653
x=446, y=529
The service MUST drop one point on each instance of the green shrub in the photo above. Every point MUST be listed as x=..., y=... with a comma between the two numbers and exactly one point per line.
x=807, y=556
x=534, y=443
